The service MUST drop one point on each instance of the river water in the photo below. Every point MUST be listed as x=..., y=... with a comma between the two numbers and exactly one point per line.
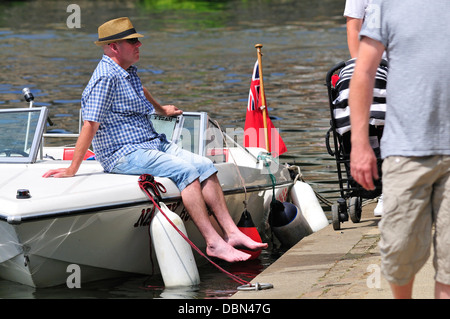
x=198, y=55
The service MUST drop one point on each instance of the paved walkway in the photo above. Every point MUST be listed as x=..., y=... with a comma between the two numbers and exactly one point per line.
x=331, y=264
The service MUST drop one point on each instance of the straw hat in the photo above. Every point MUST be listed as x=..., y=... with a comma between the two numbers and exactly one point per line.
x=116, y=29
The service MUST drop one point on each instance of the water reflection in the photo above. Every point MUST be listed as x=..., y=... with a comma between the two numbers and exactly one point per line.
x=198, y=55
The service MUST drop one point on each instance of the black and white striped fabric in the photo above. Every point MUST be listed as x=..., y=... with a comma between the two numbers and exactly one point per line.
x=341, y=109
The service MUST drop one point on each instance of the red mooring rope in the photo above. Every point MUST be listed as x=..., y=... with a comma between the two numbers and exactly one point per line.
x=145, y=181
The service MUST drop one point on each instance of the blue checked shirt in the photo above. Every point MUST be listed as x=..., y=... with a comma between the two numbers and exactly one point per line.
x=114, y=98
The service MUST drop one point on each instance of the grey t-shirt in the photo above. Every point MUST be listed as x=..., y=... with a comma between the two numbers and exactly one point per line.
x=415, y=34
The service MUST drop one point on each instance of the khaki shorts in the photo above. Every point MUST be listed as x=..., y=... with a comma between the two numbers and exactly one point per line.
x=416, y=197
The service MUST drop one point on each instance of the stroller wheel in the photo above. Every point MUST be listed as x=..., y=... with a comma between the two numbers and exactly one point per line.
x=335, y=217
x=355, y=209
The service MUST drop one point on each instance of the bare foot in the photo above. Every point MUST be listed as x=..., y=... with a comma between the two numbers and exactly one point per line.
x=240, y=240
x=224, y=251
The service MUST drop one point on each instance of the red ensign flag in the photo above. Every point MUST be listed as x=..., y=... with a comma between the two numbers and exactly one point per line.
x=254, y=121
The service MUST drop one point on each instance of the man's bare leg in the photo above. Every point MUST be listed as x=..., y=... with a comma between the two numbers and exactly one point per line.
x=402, y=292
x=214, y=198
x=441, y=291
x=216, y=246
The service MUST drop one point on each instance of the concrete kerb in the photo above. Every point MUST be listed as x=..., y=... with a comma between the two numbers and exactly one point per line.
x=331, y=264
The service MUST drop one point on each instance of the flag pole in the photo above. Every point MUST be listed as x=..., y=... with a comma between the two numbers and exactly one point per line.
x=262, y=95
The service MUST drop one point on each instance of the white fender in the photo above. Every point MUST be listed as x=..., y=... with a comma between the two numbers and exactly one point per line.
x=303, y=196
x=289, y=225
x=175, y=258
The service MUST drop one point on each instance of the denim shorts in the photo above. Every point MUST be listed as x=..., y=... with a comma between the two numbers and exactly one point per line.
x=181, y=166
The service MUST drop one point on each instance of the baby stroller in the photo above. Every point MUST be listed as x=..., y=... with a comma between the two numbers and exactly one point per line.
x=352, y=194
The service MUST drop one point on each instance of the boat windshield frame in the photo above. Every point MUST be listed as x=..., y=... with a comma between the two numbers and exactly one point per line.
x=197, y=133
x=186, y=130
x=22, y=131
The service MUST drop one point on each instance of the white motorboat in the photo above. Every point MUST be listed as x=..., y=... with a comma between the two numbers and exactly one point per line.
x=99, y=222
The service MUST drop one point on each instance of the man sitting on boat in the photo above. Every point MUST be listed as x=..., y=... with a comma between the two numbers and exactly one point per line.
x=115, y=109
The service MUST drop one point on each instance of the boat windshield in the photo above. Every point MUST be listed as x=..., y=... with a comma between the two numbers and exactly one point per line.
x=197, y=133
x=21, y=135
x=22, y=130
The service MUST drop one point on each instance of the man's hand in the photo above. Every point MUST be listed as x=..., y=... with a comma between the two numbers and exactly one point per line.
x=363, y=166
x=169, y=110
x=60, y=172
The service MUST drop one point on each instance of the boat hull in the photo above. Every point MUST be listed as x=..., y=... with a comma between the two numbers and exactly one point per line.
x=57, y=248
x=95, y=225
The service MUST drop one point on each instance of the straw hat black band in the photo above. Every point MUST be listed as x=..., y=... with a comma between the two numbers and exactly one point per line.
x=116, y=29
x=118, y=35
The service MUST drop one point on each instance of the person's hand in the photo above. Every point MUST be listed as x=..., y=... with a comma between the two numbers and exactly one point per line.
x=171, y=110
x=59, y=172
x=363, y=166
